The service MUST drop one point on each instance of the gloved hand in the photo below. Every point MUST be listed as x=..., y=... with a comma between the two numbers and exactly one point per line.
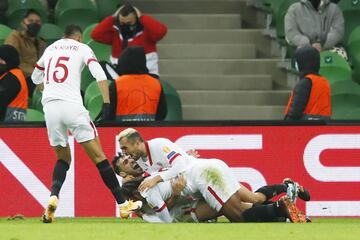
x=105, y=111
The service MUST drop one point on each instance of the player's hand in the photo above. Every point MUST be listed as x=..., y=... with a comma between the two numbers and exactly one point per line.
x=149, y=183
x=178, y=184
x=193, y=152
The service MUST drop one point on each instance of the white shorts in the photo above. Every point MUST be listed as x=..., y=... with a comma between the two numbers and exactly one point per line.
x=214, y=180
x=61, y=116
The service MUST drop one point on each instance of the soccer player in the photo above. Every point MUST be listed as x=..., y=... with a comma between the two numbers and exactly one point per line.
x=185, y=207
x=212, y=178
x=164, y=202
x=59, y=71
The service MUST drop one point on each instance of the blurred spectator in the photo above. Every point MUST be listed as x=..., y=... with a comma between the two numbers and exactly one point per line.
x=310, y=99
x=13, y=88
x=135, y=95
x=319, y=23
x=51, y=5
x=128, y=27
x=3, y=7
x=29, y=46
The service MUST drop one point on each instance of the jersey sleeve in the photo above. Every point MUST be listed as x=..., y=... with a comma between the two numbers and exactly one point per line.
x=175, y=158
x=91, y=61
x=38, y=74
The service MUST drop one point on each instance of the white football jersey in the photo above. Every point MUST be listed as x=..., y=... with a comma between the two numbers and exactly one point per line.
x=157, y=195
x=61, y=66
x=156, y=198
x=165, y=155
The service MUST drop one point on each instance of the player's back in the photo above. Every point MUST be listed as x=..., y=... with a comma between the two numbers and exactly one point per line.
x=63, y=63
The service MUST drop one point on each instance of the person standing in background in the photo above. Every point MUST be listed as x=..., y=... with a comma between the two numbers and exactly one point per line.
x=129, y=27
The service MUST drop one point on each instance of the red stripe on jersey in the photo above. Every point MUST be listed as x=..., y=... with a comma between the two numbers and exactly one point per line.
x=148, y=152
x=215, y=195
x=93, y=127
x=146, y=174
x=173, y=157
x=162, y=208
x=39, y=67
x=90, y=60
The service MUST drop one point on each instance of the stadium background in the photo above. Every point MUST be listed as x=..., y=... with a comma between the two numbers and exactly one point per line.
x=254, y=85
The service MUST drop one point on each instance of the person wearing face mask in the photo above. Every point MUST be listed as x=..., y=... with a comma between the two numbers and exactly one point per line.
x=318, y=23
x=129, y=27
x=28, y=44
x=13, y=88
x=311, y=98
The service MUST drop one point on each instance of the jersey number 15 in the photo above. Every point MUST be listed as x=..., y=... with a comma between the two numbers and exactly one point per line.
x=60, y=63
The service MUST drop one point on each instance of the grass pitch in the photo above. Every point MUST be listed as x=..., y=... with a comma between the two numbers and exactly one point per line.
x=112, y=228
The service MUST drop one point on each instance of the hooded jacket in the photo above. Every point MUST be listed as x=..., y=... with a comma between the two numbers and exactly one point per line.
x=135, y=95
x=310, y=99
x=304, y=25
x=13, y=87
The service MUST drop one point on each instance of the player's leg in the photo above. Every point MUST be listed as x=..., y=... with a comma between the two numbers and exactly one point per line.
x=86, y=134
x=58, y=138
x=219, y=188
x=96, y=154
x=265, y=193
x=223, y=193
x=59, y=175
x=202, y=212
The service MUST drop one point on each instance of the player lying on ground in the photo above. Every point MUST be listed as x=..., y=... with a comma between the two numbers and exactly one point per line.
x=211, y=177
x=158, y=196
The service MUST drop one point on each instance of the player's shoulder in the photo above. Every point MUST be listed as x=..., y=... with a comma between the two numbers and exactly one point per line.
x=84, y=47
x=159, y=141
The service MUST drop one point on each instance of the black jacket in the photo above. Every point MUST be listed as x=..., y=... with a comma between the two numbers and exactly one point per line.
x=133, y=61
x=307, y=59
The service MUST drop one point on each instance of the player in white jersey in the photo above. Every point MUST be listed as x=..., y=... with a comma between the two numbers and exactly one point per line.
x=215, y=183
x=163, y=202
x=58, y=71
x=185, y=208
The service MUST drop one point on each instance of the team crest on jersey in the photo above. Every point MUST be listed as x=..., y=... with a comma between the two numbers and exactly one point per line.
x=166, y=149
x=170, y=155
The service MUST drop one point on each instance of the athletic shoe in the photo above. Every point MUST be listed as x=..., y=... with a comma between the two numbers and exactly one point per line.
x=291, y=211
x=301, y=192
x=292, y=191
x=49, y=214
x=129, y=207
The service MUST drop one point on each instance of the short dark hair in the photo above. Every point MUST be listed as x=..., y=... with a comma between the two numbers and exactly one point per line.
x=127, y=9
x=114, y=162
x=72, y=29
x=31, y=11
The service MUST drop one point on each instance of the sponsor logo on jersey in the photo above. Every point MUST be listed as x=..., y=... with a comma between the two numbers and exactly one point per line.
x=166, y=149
